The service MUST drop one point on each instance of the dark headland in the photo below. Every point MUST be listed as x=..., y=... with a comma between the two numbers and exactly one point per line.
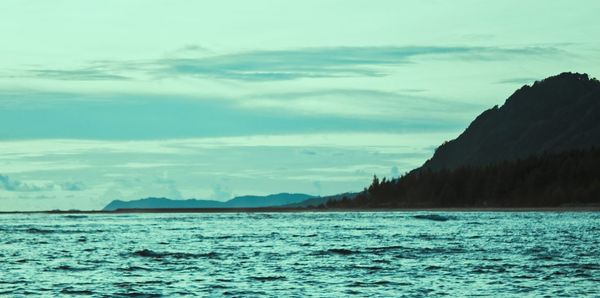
x=538, y=151
x=541, y=149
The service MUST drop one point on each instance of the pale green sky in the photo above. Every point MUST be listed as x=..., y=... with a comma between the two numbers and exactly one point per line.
x=125, y=99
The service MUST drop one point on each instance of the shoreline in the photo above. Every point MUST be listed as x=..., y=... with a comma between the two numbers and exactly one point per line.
x=316, y=210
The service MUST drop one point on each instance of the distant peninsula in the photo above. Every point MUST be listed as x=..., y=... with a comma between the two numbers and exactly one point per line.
x=237, y=202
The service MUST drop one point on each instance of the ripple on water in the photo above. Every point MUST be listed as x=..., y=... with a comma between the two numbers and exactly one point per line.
x=432, y=217
x=76, y=291
x=147, y=253
x=267, y=278
x=335, y=251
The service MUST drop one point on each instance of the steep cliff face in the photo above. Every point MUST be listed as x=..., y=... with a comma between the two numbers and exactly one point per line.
x=553, y=115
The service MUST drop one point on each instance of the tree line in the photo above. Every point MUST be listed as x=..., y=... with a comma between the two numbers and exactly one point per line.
x=546, y=180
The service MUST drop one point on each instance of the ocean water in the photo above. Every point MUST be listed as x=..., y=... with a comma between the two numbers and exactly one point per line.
x=381, y=254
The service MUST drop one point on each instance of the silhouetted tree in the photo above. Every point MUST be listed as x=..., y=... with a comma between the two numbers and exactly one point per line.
x=571, y=177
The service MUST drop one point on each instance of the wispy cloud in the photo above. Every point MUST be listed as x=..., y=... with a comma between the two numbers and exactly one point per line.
x=329, y=62
x=24, y=149
x=518, y=81
x=9, y=184
x=72, y=186
x=77, y=75
x=105, y=70
x=280, y=65
x=364, y=103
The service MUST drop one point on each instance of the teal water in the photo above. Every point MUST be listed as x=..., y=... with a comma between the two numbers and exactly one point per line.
x=302, y=254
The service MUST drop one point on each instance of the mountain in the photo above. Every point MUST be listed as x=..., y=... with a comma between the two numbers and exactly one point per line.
x=159, y=203
x=540, y=149
x=266, y=201
x=237, y=202
x=553, y=115
x=318, y=201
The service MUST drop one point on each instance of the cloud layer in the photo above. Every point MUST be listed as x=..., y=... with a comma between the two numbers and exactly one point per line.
x=12, y=185
x=281, y=65
x=208, y=168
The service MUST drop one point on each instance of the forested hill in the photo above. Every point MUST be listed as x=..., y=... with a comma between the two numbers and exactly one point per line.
x=548, y=180
x=553, y=115
x=541, y=148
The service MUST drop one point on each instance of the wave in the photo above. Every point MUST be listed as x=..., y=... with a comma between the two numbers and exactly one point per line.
x=147, y=253
x=267, y=278
x=134, y=268
x=306, y=236
x=136, y=294
x=337, y=251
x=73, y=291
x=362, y=284
x=58, y=230
x=434, y=217
x=38, y=231
x=386, y=248
x=368, y=268
x=70, y=268
x=75, y=216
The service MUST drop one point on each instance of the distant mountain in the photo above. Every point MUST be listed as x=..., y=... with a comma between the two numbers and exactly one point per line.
x=266, y=201
x=237, y=202
x=553, y=115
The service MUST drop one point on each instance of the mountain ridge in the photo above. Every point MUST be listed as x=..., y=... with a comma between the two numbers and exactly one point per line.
x=556, y=114
x=247, y=201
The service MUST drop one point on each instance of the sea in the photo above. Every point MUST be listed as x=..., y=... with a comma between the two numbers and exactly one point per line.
x=301, y=254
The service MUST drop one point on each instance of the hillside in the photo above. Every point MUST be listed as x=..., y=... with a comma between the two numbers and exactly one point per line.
x=237, y=202
x=541, y=148
x=553, y=115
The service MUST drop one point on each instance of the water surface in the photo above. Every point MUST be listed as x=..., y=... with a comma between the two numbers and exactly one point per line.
x=302, y=254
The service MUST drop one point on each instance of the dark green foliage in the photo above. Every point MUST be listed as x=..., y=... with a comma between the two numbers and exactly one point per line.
x=547, y=180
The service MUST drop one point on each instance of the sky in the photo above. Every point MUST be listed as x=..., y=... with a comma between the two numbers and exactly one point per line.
x=103, y=100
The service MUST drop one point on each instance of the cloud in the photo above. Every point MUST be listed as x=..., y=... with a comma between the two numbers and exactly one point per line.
x=329, y=62
x=192, y=48
x=221, y=192
x=72, y=186
x=281, y=65
x=521, y=81
x=204, y=167
x=365, y=104
x=9, y=184
x=18, y=150
x=168, y=186
x=134, y=116
x=87, y=74
x=308, y=152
